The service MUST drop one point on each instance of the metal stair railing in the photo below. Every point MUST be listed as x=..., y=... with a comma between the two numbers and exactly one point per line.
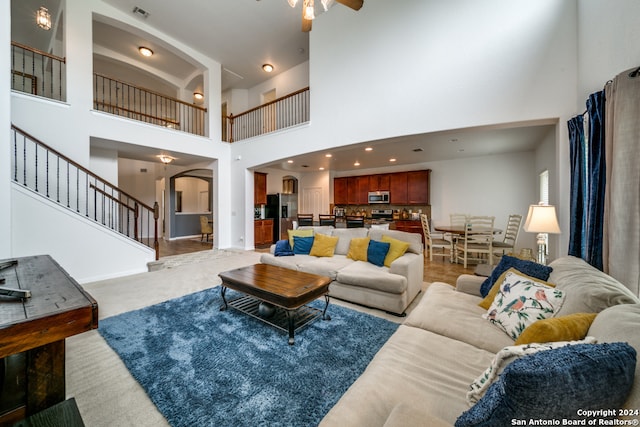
x=51, y=174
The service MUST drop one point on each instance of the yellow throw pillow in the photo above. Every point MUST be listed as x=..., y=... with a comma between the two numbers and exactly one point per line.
x=571, y=327
x=486, y=302
x=323, y=245
x=358, y=248
x=299, y=233
x=396, y=250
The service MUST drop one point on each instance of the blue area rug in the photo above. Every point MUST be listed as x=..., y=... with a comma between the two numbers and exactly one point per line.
x=204, y=367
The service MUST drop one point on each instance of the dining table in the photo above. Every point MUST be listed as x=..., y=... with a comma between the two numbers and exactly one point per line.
x=458, y=230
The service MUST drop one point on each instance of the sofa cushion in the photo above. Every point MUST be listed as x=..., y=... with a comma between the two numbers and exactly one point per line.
x=588, y=289
x=415, y=367
x=344, y=238
x=283, y=248
x=396, y=250
x=414, y=239
x=563, y=328
x=507, y=355
x=302, y=245
x=324, y=266
x=557, y=384
x=487, y=300
x=377, y=251
x=456, y=315
x=520, y=302
x=529, y=268
x=358, y=248
x=323, y=245
x=300, y=233
x=367, y=275
x=621, y=323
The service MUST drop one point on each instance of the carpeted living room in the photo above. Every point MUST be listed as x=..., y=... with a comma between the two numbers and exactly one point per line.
x=326, y=325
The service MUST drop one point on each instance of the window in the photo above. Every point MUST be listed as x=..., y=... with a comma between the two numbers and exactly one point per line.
x=543, y=190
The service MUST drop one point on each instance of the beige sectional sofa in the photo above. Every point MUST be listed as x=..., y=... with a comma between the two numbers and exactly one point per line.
x=421, y=376
x=390, y=288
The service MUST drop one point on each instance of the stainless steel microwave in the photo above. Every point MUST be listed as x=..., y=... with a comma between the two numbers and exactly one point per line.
x=378, y=197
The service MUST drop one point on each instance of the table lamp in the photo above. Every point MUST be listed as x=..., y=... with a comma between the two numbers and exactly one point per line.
x=542, y=219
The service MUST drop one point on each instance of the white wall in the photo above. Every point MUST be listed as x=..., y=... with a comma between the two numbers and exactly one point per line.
x=420, y=66
x=85, y=249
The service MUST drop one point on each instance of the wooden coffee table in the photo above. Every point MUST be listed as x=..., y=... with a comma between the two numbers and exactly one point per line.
x=276, y=295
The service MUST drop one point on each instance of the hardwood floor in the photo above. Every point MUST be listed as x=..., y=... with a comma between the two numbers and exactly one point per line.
x=438, y=270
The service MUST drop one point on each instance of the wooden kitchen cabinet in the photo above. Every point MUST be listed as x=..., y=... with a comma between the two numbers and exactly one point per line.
x=398, y=188
x=410, y=227
x=260, y=188
x=340, y=196
x=262, y=232
x=362, y=183
x=418, y=187
x=380, y=182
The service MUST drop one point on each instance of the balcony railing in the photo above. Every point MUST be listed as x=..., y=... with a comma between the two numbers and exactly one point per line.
x=37, y=73
x=290, y=110
x=127, y=100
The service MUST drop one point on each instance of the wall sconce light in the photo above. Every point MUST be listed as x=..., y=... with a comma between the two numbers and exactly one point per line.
x=309, y=12
x=165, y=159
x=292, y=3
x=145, y=51
x=198, y=96
x=43, y=18
x=267, y=67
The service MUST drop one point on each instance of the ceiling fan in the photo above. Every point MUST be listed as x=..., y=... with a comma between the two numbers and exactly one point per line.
x=308, y=9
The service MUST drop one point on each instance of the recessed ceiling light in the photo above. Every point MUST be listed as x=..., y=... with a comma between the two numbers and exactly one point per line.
x=145, y=51
x=321, y=168
x=357, y=163
x=368, y=149
x=267, y=68
x=289, y=161
x=392, y=160
x=328, y=155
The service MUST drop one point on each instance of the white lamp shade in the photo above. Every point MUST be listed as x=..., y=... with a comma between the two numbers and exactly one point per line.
x=542, y=219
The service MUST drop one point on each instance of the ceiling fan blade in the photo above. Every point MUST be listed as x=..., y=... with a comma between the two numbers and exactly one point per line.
x=353, y=4
x=306, y=23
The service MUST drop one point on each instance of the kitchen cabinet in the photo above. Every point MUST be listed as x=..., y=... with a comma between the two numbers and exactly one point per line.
x=379, y=182
x=260, y=188
x=262, y=232
x=410, y=227
x=362, y=183
x=340, y=196
x=398, y=188
x=418, y=187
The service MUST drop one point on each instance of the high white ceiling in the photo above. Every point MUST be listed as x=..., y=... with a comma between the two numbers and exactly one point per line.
x=242, y=35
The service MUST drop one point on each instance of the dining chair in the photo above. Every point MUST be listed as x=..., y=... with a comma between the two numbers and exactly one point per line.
x=326, y=219
x=455, y=220
x=432, y=240
x=477, y=240
x=354, y=221
x=305, y=220
x=206, y=229
x=510, y=236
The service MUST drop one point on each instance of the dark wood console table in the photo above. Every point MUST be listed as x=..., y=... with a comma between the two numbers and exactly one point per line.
x=33, y=332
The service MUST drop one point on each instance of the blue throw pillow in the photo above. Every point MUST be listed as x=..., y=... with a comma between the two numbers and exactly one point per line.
x=530, y=268
x=377, y=251
x=283, y=248
x=302, y=245
x=555, y=384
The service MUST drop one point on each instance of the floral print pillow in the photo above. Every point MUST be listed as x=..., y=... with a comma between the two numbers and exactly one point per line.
x=520, y=302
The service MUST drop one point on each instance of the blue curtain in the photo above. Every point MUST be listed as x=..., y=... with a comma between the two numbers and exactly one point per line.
x=596, y=168
x=577, y=213
x=588, y=167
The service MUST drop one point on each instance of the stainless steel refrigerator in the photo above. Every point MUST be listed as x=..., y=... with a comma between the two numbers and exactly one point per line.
x=283, y=209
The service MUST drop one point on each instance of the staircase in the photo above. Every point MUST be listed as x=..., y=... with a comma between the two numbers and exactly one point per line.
x=47, y=172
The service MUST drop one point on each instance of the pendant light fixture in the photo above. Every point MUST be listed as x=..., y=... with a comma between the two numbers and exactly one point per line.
x=43, y=18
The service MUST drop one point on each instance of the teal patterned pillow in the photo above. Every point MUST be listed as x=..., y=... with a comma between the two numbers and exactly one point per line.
x=520, y=302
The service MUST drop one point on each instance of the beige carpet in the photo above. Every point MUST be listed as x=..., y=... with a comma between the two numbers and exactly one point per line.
x=106, y=394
